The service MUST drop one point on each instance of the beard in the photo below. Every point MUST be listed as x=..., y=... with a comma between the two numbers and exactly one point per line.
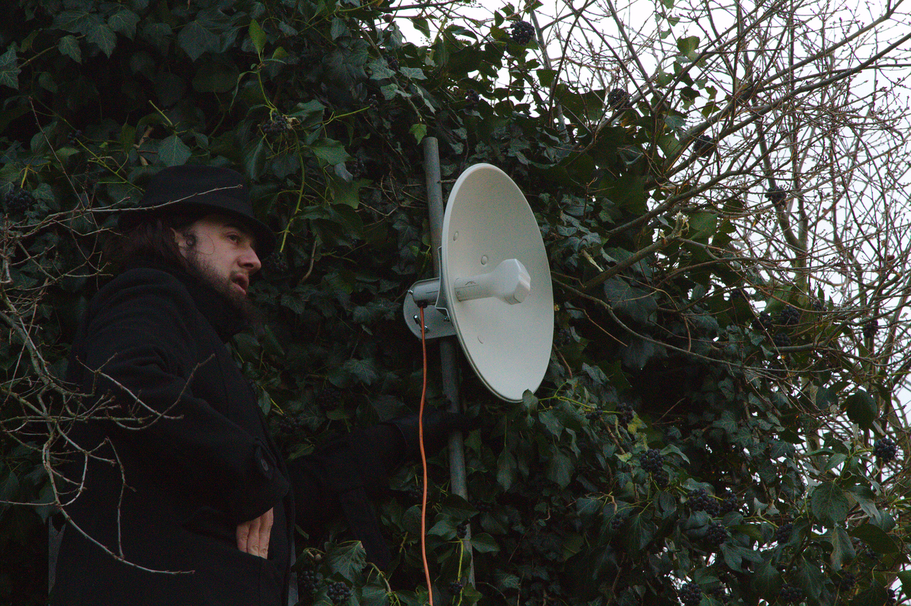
x=197, y=267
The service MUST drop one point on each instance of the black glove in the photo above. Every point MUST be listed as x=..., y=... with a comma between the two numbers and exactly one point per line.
x=438, y=424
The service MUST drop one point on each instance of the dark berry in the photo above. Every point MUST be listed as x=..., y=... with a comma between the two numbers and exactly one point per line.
x=783, y=534
x=729, y=503
x=651, y=461
x=338, y=593
x=790, y=594
x=885, y=449
x=456, y=587
x=890, y=597
x=521, y=32
x=18, y=200
x=661, y=478
x=328, y=398
x=738, y=294
x=593, y=415
x=781, y=339
x=763, y=321
x=308, y=581
x=789, y=316
x=617, y=522
x=690, y=594
x=392, y=62
x=869, y=328
x=276, y=125
x=625, y=413
x=472, y=97
x=462, y=530
x=703, y=146
x=74, y=137
x=700, y=500
x=776, y=195
x=845, y=580
x=717, y=534
x=619, y=99
x=817, y=305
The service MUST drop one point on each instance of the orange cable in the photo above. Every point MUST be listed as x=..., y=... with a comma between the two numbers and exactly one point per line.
x=424, y=466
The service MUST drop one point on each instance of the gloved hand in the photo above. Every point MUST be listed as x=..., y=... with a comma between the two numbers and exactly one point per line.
x=438, y=424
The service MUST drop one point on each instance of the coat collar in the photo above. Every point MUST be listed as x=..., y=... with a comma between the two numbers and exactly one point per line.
x=213, y=305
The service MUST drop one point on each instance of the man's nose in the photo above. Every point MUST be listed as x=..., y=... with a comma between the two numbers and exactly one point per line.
x=250, y=261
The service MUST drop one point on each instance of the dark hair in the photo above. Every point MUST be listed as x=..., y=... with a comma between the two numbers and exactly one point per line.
x=150, y=240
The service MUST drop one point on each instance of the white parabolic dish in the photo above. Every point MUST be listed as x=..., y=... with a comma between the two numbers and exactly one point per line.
x=488, y=221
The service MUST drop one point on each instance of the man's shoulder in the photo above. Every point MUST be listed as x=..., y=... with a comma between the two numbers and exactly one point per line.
x=138, y=285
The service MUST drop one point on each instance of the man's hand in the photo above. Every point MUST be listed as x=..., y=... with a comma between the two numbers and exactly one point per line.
x=253, y=536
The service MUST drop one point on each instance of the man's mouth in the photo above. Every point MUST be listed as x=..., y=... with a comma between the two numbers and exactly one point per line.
x=242, y=282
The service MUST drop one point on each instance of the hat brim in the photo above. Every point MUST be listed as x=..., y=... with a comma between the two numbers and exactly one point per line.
x=265, y=237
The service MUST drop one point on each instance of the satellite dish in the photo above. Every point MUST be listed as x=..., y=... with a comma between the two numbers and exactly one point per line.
x=495, y=291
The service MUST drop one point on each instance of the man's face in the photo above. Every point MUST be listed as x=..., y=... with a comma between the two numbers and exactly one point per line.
x=223, y=249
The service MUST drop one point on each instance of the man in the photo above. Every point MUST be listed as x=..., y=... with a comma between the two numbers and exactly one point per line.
x=174, y=491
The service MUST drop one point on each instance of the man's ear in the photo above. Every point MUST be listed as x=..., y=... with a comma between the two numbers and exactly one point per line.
x=185, y=241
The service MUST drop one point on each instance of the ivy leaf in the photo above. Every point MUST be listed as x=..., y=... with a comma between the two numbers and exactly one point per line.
x=842, y=549
x=419, y=131
x=69, y=46
x=124, y=22
x=347, y=559
x=104, y=37
x=829, y=504
x=506, y=469
x=173, y=151
x=258, y=36
x=9, y=69
x=329, y=150
x=363, y=370
x=560, y=469
x=195, y=40
x=861, y=408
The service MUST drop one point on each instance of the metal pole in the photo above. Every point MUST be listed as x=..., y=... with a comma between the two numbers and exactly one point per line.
x=448, y=347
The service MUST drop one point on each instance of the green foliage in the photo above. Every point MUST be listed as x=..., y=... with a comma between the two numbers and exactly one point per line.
x=322, y=105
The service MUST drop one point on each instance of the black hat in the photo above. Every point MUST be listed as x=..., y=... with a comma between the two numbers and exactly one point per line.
x=180, y=188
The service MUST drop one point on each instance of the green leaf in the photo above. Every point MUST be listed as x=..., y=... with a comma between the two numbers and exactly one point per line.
x=9, y=69
x=258, y=36
x=124, y=22
x=875, y=538
x=560, y=469
x=842, y=549
x=484, y=543
x=173, y=151
x=363, y=370
x=687, y=46
x=829, y=504
x=104, y=37
x=861, y=408
x=69, y=46
x=195, y=40
x=419, y=131
x=330, y=151
x=347, y=559
x=506, y=469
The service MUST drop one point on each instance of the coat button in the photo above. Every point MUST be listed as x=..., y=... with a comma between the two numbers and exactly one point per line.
x=264, y=464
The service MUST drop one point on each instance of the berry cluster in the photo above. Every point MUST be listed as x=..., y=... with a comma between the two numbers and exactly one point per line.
x=290, y=424
x=738, y=294
x=338, y=593
x=700, y=500
x=703, y=146
x=869, y=328
x=845, y=581
x=593, y=415
x=652, y=461
x=462, y=530
x=617, y=522
x=783, y=534
x=328, y=398
x=719, y=594
x=391, y=61
x=276, y=263
x=717, y=534
x=624, y=413
x=521, y=32
x=781, y=339
x=456, y=587
x=776, y=195
x=885, y=449
x=729, y=503
x=308, y=581
x=690, y=594
x=619, y=99
x=763, y=321
x=276, y=125
x=790, y=594
x=472, y=97
x=789, y=316
x=17, y=200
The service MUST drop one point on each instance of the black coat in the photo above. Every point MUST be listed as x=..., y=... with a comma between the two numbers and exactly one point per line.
x=179, y=456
